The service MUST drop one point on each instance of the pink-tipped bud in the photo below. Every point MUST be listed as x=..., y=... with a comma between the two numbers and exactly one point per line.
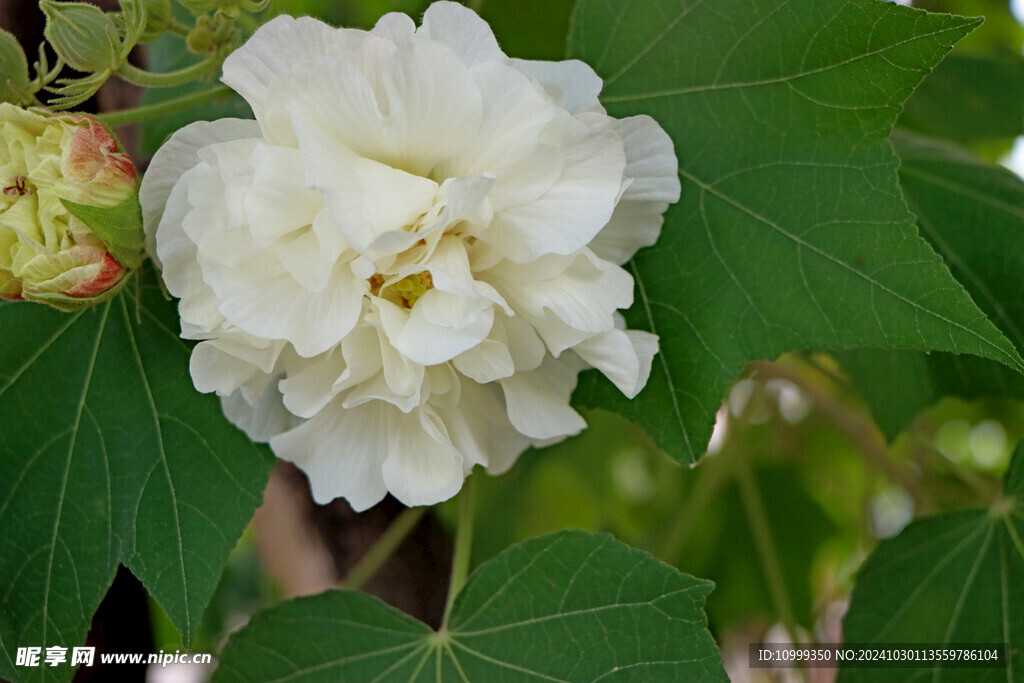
x=70, y=227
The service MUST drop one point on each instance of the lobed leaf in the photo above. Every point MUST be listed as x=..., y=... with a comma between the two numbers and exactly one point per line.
x=973, y=213
x=791, y=232
x=951, y=578
x=568, y=606
x=108, y=454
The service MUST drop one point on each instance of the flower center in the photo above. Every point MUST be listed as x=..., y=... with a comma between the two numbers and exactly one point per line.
x=18, y=187
x=406, y=292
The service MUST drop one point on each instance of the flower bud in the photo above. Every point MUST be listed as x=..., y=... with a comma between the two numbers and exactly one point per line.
x=70, y=223
x=82, y=35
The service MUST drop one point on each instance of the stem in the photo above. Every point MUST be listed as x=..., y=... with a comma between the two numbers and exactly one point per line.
x=861, y=431
x=178, y=28
x=385, y=547
x=168, y=79
x=986, y=489
x=711, y=479
x=158, y=109
x=463, y=546
x=754, y=507
x=476, y=5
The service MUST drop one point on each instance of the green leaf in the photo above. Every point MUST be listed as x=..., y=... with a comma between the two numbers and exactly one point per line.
x=114, y=458
x=569, y=606
x=973, y=213
x=14, y=80
x=952, y=578
x=120, y=227
x=81, y=34
x=791, y=232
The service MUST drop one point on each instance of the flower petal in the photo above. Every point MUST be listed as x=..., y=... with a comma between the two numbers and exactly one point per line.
x=262, y=419
x=463, y=31
x=566, y=298
x=624, y=356
x=176, y=156
x=443, y=325
x=266, y=301
x=573, y=210
x=341, y=452
x=285, y=44
x=277, y=201
x=422, y=466
x=538, y=401
x=579, y=84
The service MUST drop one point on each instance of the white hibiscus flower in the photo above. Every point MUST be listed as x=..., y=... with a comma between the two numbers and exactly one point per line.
x=399, y=268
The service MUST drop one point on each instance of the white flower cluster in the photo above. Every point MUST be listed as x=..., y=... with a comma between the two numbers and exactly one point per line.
x=399, y=268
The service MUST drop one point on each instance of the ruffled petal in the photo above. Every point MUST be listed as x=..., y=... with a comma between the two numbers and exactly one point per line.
x=463, y=31
x=277, y=201
x=170, y=162
x=573, y=210
x=538, y=401
x=566, y=298
x=652, y=184
x=341, y=451
x=264, y=417
x=286, y=44
x=422, y=466
x=442, y=325
x=578, y=83
x=624, y=356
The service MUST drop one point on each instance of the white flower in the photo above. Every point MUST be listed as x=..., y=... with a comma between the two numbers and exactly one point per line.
x=398, y=270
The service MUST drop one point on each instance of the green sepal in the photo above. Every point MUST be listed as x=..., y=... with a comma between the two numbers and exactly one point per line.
x=82, y=35
x=120, y=227
x=15, y=86
x=131, y=21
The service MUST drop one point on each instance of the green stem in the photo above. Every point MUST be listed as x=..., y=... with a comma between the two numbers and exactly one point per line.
x=476, y=5
x=384, y=548
x=463, y=546
x=178, y=28
x=755, y=510
x=715, y=472
x=158, y=109
x=168, y=79
x=860, y=429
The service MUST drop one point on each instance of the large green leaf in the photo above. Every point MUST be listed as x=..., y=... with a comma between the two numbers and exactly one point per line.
x=791, y=232
x=952, y=578
x=569, y=606
x=108, y=454
x=973, y=213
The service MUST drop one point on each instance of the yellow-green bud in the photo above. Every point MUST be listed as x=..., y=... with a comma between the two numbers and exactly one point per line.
x=202, y=37
x=70, y=224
